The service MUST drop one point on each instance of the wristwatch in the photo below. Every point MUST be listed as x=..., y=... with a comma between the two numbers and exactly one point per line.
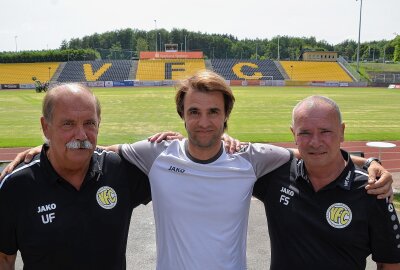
x=368, y=162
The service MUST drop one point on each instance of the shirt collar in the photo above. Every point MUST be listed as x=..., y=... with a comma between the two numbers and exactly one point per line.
x=94, y=172
x=212, y=159
x=344, y=180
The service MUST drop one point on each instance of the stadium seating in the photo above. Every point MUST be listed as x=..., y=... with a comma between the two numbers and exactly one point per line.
x=167, y=69
x=315, y=71
x=99, y=70
x=235, y=69
x=22, y=73
x=171, y=69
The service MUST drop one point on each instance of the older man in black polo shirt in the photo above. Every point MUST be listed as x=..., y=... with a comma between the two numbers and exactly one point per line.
x=319, y=215
x=70, y=207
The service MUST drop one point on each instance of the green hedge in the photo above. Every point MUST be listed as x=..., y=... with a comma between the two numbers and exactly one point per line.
x=49, y=56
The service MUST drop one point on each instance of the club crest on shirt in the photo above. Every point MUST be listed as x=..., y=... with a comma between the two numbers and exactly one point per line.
x=339, y=215
x=106, y=197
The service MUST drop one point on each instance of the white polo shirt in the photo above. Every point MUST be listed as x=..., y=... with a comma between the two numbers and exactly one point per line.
x=201, y=208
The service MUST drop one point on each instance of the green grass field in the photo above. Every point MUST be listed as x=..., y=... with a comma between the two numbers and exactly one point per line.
x=260, y=113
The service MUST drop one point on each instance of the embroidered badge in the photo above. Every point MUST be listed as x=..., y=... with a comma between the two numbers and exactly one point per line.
x=106, y=197
x=339, y=215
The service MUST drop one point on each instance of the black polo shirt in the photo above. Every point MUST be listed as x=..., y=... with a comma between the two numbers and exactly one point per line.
x=56, y=226
x=334, y=228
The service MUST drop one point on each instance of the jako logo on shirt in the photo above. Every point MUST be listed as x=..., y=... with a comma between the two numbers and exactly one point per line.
x=339, y=215
x=47, y=217
x=106, y=197
x=176, y=169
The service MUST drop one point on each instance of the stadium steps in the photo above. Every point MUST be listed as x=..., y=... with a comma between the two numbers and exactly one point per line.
x=55, y=76
x=133, y=71
x=282, y=70
x=209, y=65
x=349, y=69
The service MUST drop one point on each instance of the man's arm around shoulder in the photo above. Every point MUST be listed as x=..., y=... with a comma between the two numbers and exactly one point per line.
x=113, y=148
x=7, y=262
x=388, y=266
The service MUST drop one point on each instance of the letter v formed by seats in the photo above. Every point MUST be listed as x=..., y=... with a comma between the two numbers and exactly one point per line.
x=94, y=76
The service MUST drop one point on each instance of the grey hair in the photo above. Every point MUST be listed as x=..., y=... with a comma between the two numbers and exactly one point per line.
x=312, y=101
x=51, y=95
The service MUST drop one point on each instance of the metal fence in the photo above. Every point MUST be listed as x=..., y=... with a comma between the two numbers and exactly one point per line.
x=386, y=78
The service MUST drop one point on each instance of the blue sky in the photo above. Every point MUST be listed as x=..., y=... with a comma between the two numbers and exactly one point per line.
x=43, y=24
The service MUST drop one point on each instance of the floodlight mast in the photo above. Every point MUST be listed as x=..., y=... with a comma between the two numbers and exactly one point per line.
x=16, y=46
x=279, y=56
x=185, y=43
x=155, y=25
x=359, y=34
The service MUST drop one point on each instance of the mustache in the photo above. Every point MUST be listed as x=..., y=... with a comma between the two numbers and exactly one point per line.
x=76, y=144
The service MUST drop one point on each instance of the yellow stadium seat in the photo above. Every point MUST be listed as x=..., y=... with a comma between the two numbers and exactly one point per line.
x=22, y=73
x=168, y=69
x=315, y=71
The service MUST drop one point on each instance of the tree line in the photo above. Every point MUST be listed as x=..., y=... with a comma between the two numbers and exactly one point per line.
x=128, y=43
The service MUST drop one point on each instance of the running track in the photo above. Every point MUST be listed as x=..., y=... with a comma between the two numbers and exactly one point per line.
x=390, y=156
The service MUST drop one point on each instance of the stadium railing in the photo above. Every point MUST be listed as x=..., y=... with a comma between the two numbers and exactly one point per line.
x=350, y=69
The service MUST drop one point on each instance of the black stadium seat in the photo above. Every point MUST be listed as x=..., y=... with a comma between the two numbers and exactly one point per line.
x=99, y=70
x=246, y=69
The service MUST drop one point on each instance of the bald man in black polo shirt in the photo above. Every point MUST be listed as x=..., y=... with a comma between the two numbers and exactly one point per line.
x=70, y=207
x=319, y=215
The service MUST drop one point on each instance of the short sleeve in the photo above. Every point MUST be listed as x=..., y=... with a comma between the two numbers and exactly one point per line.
x=139, y=184
x=260, y=188
x=142, y=153
x=384, y=232
x=265, y=157
x=8, y=239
